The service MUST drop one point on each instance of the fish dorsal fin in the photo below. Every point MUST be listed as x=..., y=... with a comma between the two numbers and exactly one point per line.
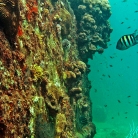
x=135, y=31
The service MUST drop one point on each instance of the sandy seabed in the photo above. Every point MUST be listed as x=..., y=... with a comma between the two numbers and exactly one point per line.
x=107, y=130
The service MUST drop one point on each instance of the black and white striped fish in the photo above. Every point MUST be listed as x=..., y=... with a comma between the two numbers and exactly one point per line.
x=126, y=41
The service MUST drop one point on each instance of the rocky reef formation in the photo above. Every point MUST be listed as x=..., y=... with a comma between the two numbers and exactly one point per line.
x=9, y=18
x=93, y=26
x=44, y=86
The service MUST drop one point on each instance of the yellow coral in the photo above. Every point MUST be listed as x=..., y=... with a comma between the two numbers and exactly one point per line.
x=60, y=123
x=37, y=72
x=64, y=76
x=70, y=75
x=57, y=17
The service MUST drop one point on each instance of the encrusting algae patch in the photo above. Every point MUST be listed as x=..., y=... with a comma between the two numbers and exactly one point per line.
x=44, y=86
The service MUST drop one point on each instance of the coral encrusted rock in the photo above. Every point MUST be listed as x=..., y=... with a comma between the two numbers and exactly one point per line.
x=94, y=27
x=9, y=18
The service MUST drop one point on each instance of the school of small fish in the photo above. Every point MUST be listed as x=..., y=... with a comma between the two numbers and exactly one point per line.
x=124, y=42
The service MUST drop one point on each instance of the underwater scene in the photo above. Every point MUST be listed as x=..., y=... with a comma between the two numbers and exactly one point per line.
x=114, y=77
x=68, y=69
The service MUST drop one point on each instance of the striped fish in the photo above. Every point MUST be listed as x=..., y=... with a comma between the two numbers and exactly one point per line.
x=127, y=41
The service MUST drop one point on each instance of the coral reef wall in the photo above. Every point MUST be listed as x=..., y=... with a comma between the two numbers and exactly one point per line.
x=93, y=26
x=44, y=86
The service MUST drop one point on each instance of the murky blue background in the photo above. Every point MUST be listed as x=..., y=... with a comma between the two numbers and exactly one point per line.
x=111, y=86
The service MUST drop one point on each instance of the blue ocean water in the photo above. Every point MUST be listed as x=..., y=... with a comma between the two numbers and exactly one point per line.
x=114, y=76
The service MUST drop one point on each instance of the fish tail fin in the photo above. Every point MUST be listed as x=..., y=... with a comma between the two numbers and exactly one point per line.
x=136, y=39
x=136, y=35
